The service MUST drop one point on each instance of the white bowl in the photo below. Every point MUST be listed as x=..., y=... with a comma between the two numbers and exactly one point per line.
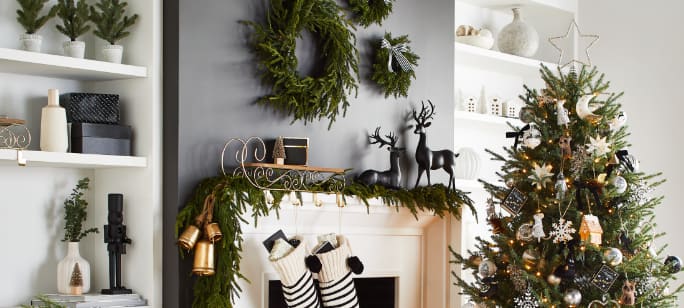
x=478, y=41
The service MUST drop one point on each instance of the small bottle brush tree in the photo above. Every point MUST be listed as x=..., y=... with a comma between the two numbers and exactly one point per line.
x=29, y=15
x=75, y=15
x=279, y=152
x=110, y=21
x=75, y=213
x=76, y=281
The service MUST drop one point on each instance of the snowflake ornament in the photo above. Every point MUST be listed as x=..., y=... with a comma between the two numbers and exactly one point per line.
x=526, y=300
x=562, y=231
x=541, y=175
x=640, y=193
x=599, y=146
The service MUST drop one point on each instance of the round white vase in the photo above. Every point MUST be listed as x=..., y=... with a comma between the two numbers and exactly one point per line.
x=112, y=53
x=518, y=38
x=65, y=269
x=467, y=164
x=53, y=125
x=31, y=42
x=74, y=49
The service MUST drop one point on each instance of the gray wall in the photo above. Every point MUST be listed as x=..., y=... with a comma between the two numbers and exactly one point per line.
x=217, y=86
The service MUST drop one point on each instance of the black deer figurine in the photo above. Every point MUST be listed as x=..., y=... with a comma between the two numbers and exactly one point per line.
x=426, y=158
x=389, y=178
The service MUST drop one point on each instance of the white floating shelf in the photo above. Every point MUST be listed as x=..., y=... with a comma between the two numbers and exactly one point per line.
x=486, y=118
x=564, y=6
x=70, y=160
x=497, y=61
x=46, y=65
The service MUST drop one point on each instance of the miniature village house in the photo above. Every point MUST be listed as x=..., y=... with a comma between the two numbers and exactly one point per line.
x=590, y=230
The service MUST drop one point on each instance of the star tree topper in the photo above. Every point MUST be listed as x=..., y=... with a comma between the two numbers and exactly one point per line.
x=594, y=38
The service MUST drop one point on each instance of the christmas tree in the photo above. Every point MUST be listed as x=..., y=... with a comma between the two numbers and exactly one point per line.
x=279, y=151
x=575, y=225
x=76, y=281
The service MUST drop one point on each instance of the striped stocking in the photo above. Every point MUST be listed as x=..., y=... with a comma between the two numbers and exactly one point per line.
x=297, y=281
x=335, y=276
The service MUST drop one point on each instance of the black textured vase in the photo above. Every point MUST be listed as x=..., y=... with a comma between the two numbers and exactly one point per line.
x=91, y=108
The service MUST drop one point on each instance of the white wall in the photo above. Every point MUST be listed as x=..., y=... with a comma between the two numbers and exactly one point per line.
x=640, y=51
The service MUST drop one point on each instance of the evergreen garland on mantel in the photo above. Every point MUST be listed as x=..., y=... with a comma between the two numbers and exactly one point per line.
x=235, y=194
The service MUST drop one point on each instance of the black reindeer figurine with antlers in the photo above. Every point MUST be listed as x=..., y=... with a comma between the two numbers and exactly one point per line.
x=427, y=159
x=390, y=178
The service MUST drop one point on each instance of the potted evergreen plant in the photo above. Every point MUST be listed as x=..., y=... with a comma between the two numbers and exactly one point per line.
x=75, y=215
x=75, y=15
x=29, y=17
x=111, y=24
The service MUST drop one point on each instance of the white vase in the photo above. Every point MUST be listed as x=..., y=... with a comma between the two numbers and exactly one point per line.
x=467, y=164
x=112, y=53
x=518, y=38
x=31, y=42
x=74, y=49
x=66, y=267
x=53, y=125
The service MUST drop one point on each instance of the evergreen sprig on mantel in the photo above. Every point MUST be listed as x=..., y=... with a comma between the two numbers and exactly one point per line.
x=306, y=98
x=235, y=196
x=75, y=213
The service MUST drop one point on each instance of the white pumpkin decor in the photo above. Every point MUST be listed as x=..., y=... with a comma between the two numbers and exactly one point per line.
x=512, y=108
x=471, y=104
x=467, y=164
x=495, y=106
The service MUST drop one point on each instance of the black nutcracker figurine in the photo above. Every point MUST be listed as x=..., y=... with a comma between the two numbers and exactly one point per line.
x=116, y=239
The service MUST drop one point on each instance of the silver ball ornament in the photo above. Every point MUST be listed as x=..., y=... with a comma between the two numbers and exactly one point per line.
x=613, y=256
x=674, y=264
x=526, y=115
x=572, y=297
x=619, y=183
x=487, y=268
x=553, y=280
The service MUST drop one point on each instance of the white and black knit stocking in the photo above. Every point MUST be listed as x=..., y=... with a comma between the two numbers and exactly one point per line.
x=298, y=284
x=335, y=275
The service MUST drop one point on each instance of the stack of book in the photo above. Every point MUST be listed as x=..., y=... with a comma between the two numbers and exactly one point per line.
x=92, y=300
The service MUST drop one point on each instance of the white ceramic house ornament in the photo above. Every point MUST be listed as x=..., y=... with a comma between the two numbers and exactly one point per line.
x=512, y=108
x=495, y=106
x=471, y=104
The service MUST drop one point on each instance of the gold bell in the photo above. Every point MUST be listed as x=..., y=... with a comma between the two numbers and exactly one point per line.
x=204, y=259
x=189, y=237
x=213, y=232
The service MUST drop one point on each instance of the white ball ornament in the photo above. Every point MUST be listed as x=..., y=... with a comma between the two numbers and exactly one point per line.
x=487, y=269
x=613, y=256
x=572, y=297
x=531, y=138
x=618, y=121
x=619, y=183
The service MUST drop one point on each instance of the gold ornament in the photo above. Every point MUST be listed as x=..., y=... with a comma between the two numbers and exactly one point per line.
x=213, y=232
x=204, y=259
x=189, y=237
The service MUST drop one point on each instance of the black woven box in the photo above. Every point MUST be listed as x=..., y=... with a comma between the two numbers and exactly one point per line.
x=91, y=108
x=89, y=138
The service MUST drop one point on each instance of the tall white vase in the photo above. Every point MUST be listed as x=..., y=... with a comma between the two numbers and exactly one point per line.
x=518, y=38
x=53, y=125
x=66, y=267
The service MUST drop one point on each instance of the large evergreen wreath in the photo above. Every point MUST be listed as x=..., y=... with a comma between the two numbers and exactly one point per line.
x=367, y=12
x=394, y=64
x=304, y=97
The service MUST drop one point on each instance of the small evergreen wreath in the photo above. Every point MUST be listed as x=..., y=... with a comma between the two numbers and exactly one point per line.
x=393, y=66
x=304, y=97
x=367, y=12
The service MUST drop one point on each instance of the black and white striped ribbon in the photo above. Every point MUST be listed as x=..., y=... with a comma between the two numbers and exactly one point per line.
x=340, y=293
x=302, y=294
x=396, y=52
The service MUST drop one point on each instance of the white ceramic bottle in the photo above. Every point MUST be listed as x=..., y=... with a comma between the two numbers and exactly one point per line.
x=65, y=270
x=518, y=38
x=53, y=125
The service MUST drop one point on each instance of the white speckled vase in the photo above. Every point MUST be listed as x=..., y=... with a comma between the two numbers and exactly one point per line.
x=518, y=38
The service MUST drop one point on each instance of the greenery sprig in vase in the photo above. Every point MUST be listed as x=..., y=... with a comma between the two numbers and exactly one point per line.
x=29, y=17
x=75, y=16
x=111, y=25
x=75, y=215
